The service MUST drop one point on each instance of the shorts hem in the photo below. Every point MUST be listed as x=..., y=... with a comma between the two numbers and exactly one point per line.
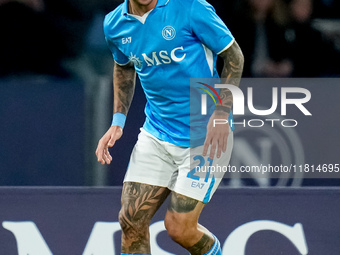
x=192, y=195
x=148, y=182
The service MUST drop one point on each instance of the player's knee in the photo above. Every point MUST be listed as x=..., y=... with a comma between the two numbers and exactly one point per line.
x=177, y=229
x=175, y=232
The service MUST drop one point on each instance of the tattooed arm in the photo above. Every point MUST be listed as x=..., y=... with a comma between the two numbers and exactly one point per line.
x=124, y=80
x=231, y=74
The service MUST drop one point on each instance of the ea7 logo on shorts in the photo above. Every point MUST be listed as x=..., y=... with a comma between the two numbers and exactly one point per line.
x=168, y=33
x=197, y=185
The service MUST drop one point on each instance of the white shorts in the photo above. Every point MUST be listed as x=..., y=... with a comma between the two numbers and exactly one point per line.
x=180, y=169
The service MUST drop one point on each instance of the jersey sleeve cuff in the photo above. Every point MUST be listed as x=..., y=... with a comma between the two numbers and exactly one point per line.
x=120, y=64
x=227, y=47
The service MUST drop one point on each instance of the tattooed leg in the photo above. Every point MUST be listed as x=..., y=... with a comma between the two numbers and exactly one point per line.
x=181, y=222
x=139, y=203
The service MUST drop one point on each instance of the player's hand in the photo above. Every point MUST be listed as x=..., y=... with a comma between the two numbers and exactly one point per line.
x=108, y=140
x=217, y=136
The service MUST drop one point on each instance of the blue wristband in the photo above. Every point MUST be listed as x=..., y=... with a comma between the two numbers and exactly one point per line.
x=118, y=119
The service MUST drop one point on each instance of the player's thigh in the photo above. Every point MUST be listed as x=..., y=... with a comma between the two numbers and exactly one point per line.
x=183, y=204
x=150, y=163
x=140, y=202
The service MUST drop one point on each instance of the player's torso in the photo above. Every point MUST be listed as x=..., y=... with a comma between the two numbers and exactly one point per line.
x=166, y=54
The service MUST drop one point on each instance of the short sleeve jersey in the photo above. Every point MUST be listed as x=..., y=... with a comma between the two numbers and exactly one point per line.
x=176, y=41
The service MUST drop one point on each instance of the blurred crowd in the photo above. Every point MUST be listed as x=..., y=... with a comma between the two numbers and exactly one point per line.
x=279, y=38
x=41, y=36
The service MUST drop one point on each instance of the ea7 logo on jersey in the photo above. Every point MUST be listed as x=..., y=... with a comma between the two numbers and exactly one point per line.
x=163, y=57
x=127, y=40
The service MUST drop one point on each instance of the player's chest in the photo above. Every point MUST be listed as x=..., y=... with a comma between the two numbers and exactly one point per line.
x=159, y=41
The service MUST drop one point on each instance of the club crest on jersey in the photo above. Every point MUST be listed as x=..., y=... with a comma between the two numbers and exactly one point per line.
x=136, y=61
x=168, y=33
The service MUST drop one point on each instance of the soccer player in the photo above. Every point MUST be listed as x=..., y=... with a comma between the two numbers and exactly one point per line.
x=167, y=42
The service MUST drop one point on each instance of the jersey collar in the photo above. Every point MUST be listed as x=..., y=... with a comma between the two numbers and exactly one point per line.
x=125, y=9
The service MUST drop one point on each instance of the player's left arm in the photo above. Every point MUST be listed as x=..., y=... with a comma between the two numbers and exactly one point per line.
x=231, y=74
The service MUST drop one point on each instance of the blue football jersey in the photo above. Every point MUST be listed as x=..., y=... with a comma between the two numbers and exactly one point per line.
x=176, y=41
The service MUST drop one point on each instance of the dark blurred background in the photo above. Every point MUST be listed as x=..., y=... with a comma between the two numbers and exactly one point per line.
x=56, y=79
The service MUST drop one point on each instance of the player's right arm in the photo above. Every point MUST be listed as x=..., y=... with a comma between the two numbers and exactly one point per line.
x=124, y=80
